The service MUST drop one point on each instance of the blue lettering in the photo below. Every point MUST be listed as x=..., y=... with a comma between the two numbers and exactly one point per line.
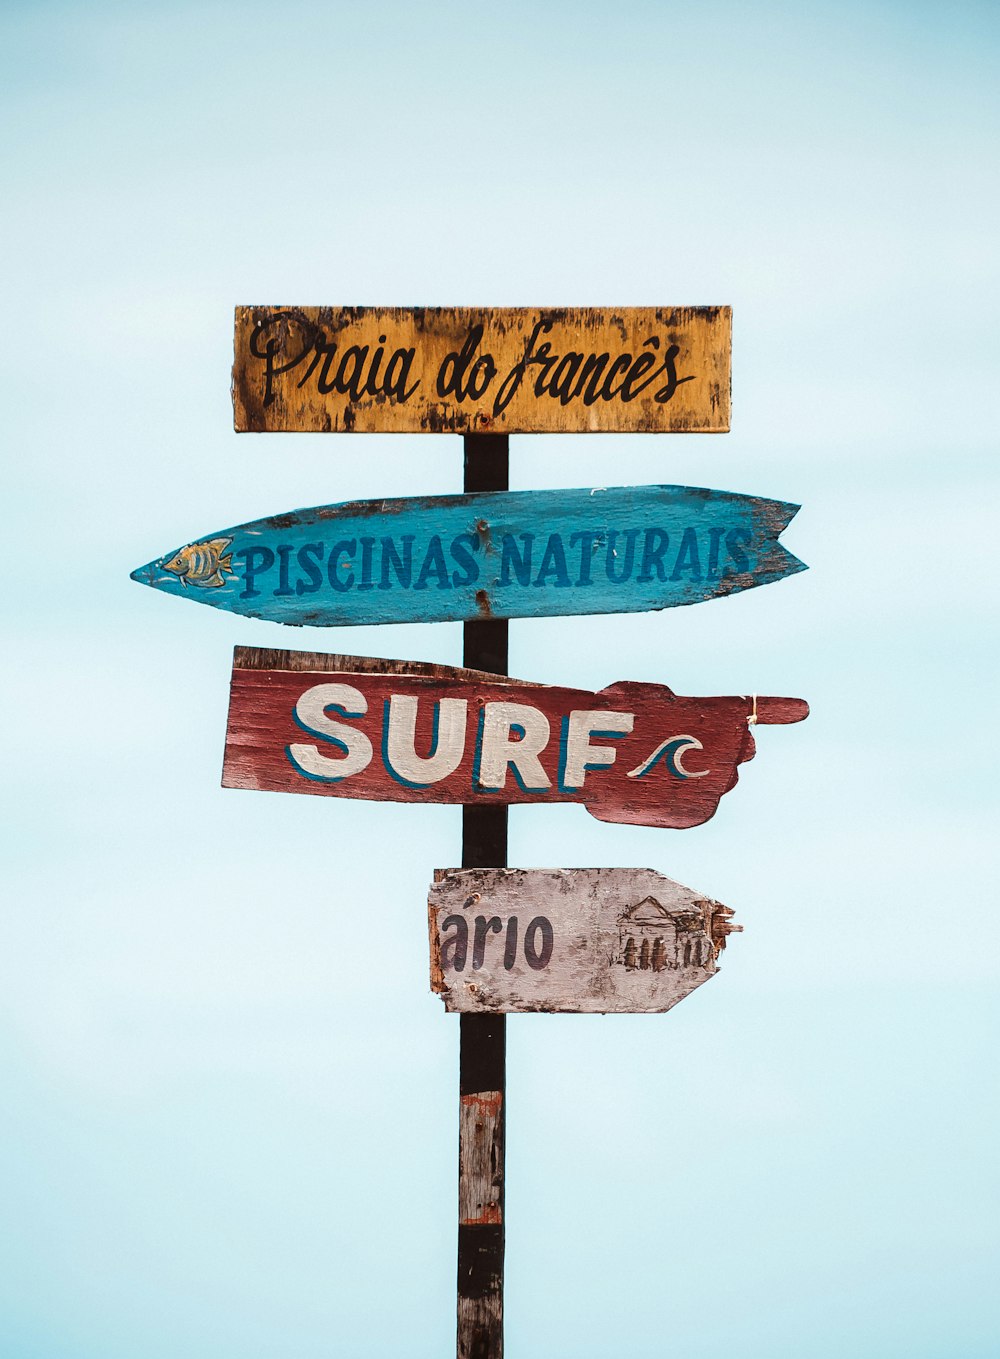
x=285, y=551
x=553, y=563
x=257, y=560
x=366, y=582
x=462, y=548
x=735, y=542
x=309, y=557
x=619, y=577
x=402, y=567
x=347, y=548
x=714, y=536
x=510, y=555
x=654, y=546
x=586, y=540
x=687, y=556
x=434, y=565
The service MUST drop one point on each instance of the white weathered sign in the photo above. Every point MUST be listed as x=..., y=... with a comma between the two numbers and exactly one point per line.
x=582, y=940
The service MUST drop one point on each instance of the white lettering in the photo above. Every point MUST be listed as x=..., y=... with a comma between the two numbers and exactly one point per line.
x=579, y=755
x=311, y=713
x=500, y=720
x=401, y=758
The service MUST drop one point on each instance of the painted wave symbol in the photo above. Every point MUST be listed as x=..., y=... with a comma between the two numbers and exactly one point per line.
x=671, y=752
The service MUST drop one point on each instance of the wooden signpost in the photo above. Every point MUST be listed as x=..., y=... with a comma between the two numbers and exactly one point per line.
x=502, y=940
x=395, y=731
x=523, y=554
x=578, y=940
x=469, y=370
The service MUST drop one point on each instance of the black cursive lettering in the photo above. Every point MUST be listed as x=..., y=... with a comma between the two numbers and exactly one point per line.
x=284, y=340
x=454, y=377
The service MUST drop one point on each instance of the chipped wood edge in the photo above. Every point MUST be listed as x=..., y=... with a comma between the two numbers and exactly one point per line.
x=268, y=658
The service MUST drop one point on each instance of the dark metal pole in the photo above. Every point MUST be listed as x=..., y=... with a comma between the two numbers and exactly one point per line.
x=482, y=1060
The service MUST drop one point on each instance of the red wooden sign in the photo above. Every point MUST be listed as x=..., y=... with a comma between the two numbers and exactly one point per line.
x=350, y=726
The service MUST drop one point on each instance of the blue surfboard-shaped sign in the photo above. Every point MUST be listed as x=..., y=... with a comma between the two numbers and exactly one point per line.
x=505, y=554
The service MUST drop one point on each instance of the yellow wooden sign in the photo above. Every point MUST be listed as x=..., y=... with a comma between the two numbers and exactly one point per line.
x=461, y=370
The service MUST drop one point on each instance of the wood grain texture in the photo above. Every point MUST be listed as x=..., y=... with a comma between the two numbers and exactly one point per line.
x=480, y=1290
x=304, y=662
x=480, y=1176
x=520, y=554
x=577, y=940
x=479, y=1312
x=482, y=1062
x=482, y=370
x=634, y=752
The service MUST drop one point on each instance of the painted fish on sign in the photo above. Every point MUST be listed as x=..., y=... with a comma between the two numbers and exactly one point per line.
x=391, y=731
x=521, y=554
x=580, y=940
x=498, y=370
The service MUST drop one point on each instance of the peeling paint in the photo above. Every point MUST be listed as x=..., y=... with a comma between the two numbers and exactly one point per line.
x=326, y=369
x=624, y=940
x=496, y=554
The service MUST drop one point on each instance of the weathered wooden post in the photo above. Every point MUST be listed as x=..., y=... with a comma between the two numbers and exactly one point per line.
x=570, y=940
x=482, y=1081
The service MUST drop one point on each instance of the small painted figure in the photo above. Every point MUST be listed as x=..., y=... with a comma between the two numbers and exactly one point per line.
x=202, y=564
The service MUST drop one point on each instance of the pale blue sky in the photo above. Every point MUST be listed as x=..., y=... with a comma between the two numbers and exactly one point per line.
x=224, y=1134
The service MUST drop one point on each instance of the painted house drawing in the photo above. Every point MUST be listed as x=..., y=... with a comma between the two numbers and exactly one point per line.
x=653, y=938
